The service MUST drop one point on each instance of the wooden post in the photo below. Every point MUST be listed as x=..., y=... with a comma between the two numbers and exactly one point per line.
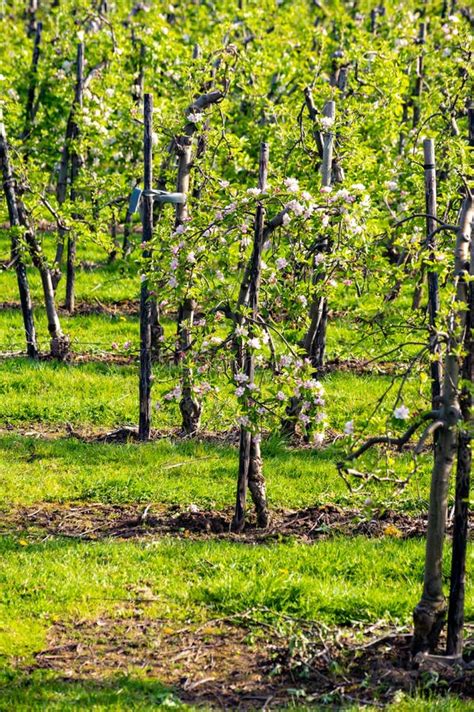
x=22, y=278
x=250, y=460
x=419, y=76
x=329, y=111
x=433, y=287
x=145, y=310
x=470, y=122
x=30, y=99
x=75, y=166
x=31, y=17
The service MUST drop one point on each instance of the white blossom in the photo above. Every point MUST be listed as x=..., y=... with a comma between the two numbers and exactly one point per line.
x=195, y=117
x=401, y=413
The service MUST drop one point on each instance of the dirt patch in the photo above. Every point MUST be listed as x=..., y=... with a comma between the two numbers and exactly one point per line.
x=243, y=662
x=124, y=307
x=99, y=521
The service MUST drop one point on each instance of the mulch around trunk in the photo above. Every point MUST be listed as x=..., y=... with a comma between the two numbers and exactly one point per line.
x=243, y=662
x=92, y=521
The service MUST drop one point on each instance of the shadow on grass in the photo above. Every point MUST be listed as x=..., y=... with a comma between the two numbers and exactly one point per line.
x=46, y=690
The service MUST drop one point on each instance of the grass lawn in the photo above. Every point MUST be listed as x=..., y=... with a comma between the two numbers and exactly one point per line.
x=53, y=585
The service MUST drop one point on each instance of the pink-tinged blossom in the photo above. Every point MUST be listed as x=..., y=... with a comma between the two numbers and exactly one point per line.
x=325, y=219
x=127, y=345
x=295, y=207
x=244, y=421
x=281, y=263
x=173, y=282
x=349, y=427
x=180, y=230
x=224, y=183
x=280, y=396
x=219, y=275
x=391, y=184
x=174, y=264
x=318, y=258
x=229, y=209
x=191, y=258
x=306, y=195
x=254, y=343
x=291, y=184
x=326, y=189
x=114, y=345
x=239, y=391
x=305, y=419
x=219, y=215
x=241, y=377
x=302, y=300
x=285, y=219
x=318, y=439
x=254, y=192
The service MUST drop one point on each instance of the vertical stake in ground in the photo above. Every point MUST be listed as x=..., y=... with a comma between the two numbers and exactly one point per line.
x=145, y=305
x=433, y=287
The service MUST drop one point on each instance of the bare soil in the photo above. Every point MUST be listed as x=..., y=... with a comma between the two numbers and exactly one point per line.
x=244, y=663
x=99, y=521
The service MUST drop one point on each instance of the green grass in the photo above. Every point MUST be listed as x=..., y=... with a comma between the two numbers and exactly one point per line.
x=339, y=581
x=336, y=581
x=34, y=469
x=103, y=394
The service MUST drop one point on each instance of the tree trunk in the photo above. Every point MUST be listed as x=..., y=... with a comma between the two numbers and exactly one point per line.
x=60, y=342
x=21, y=275
x=189, y=406
x=315, y=339
x=463, y=475
x=145, y=305
x=429, y=614
x=67, y=170
x=250, y=460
